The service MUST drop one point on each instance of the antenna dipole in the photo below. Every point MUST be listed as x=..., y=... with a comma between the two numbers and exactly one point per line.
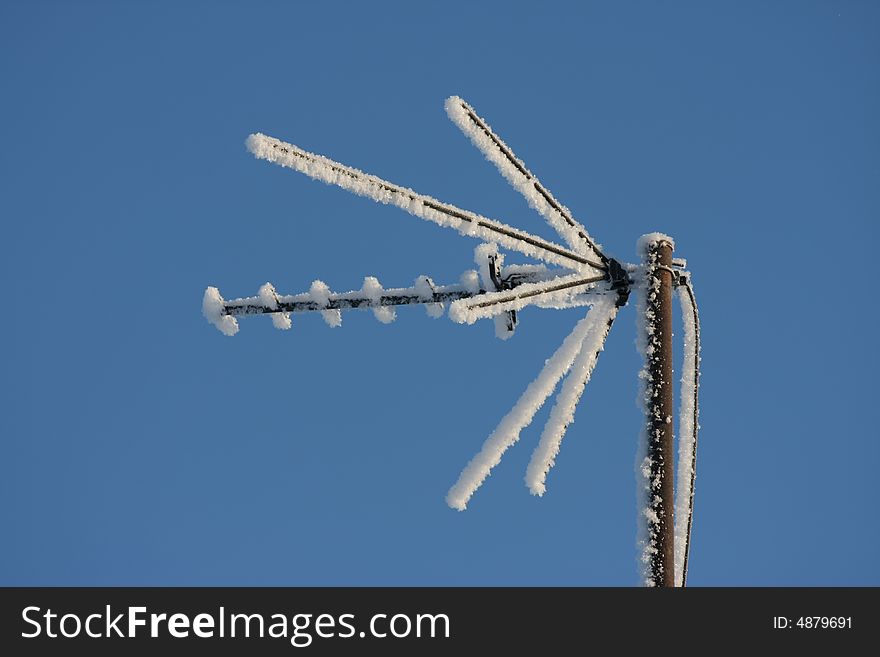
x=574, y=275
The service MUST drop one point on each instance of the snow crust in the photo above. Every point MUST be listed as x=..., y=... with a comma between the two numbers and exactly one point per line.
x=269, y=298
x=424, y=287
x=649, y=238
x=212, y=309
x=373, y=291
x=320, y=294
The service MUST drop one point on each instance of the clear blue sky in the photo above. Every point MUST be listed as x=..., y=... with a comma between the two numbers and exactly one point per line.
x=140, y=446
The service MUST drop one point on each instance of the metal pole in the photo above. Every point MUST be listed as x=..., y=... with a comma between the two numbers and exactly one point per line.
x=658, y=322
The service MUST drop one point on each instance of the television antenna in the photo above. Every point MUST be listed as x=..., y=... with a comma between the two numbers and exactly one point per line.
x=577, y=273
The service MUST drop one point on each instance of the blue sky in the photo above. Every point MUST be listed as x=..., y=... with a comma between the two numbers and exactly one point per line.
x=140, y=446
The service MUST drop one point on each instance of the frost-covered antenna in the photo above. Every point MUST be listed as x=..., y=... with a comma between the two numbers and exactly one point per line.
x=577, y=273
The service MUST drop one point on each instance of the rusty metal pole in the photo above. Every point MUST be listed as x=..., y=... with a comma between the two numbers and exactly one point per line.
x=659, y=409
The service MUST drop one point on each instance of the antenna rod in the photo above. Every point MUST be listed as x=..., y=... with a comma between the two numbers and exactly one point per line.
x=658, y=322
x=253, y=306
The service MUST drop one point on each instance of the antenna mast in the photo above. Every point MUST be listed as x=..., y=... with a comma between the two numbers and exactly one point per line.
x=657, y=468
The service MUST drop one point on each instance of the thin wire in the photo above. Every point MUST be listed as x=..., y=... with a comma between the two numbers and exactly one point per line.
x=685, y=281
